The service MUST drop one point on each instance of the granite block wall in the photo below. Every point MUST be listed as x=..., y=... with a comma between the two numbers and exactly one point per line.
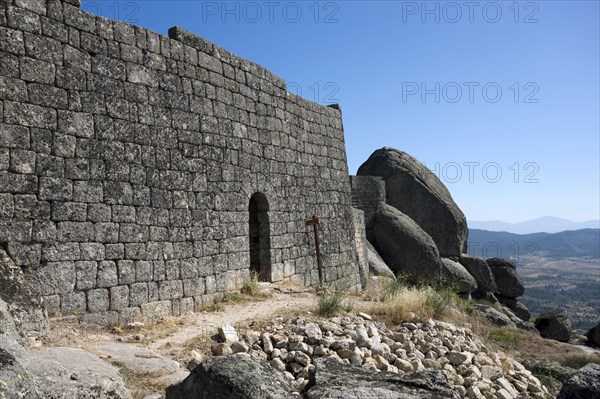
x=368, y=192
x=128, y=161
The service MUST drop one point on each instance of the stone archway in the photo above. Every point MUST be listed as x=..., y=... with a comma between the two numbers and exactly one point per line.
x=260, y=237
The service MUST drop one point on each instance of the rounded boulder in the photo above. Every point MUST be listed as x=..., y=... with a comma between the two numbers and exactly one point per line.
x=508, y=282
x=417, y=192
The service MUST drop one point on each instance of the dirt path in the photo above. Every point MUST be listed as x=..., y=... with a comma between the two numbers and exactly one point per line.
x=207, y=323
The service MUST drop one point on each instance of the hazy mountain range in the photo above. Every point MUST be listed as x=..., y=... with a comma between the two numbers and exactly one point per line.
x=546, y=224
x=584, y=243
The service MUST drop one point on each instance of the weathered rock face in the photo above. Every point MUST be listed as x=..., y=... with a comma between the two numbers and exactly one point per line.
x=416, y=191
x=584, y=384
x=516, y=307
x=482, y=273
x=57, y=373
x=454, y=273
x=593, y=336
x=376, y=264
x=405, y=247
x=232, y=377
x=508, y=281
x=502, y=316
x=555, y=324
x=336, y=380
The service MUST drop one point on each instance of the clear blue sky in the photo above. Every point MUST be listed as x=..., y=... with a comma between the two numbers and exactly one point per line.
x=376, y=57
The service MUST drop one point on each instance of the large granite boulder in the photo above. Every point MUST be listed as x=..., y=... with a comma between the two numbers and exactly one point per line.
x=457, y=276
x=417, y=192
x=404, y=246
x=508, y=282
x=377, y=265
x=593, y=336
x=480, y=270
x=584, y=384
x=334, y=380
x=555, y=324
x=232, y=377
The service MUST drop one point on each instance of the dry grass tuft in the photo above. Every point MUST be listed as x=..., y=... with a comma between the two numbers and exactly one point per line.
x=398, y=300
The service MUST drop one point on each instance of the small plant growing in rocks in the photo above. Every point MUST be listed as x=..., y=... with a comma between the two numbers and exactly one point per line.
x=333, y=300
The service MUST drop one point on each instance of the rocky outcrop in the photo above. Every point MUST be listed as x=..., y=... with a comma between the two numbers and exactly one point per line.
x=337, y=380
x=414, y=190
x=405, y=247
x=516, y=307
x=593, y=336
x=482, y=273
x=555, y=324
x=508, y=282
x=584, y=384
x=57, y=373
x=233, y=377
x=502, y=316
x=457, y=276
x=377, y=265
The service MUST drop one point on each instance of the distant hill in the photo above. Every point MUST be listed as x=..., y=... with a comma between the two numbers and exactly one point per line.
x=583, y=243
x=546, y=224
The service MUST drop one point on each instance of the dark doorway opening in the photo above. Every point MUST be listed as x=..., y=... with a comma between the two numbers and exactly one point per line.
x=260, y=238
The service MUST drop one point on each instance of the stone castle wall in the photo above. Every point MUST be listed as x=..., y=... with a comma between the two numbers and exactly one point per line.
x=368, y=192
x=128, y=161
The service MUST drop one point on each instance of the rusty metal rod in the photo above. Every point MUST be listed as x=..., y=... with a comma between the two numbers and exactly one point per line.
x=319, y=263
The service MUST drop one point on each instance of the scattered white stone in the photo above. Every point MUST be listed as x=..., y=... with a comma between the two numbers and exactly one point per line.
x=364, y=316
x=228, y=334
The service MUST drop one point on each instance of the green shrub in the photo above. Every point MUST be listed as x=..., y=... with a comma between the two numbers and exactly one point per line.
x=251, y=287
x=332, y=300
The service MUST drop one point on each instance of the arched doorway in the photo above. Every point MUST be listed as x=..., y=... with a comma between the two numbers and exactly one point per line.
x=260, y=239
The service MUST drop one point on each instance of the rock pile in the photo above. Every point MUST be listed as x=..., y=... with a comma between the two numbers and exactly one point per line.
x=472, y=370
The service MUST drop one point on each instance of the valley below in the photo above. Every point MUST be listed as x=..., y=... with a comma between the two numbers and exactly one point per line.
x=572, y=284
x=558, y=269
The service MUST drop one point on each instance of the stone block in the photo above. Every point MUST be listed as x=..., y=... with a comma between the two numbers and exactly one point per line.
x=130, y=315
x=7, y=205
x=91, y=192
x=126, y=272
x=86, y=274
x=14, y=136
x=138, y=294
x=143, y=271
x=107, y=274
x=156, y=311
x=55, y=189
x=73, y=302
x=92, y=251
x=96, y=212
x=22, y=161
x=97, y=300
x=114, y=251
x=69, y=211
x=119, y=297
